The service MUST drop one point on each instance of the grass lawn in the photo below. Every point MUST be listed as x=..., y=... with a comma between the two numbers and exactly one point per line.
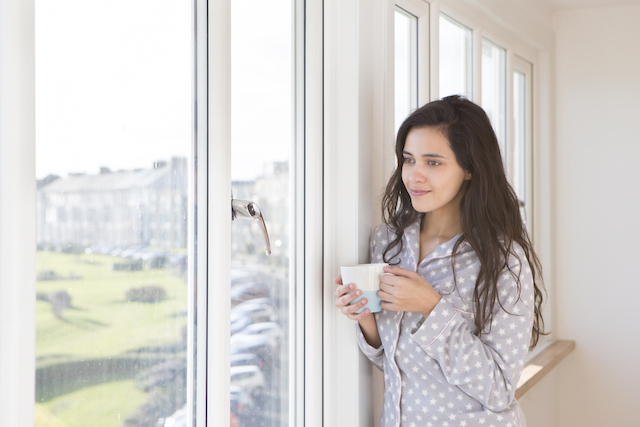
x=106, y=405
x=44, y=418
x=102, y=322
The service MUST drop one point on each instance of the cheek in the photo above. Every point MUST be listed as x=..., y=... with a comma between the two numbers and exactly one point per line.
x=405, y=176
x=450, y=183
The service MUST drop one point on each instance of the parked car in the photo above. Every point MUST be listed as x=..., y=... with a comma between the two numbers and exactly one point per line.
x=240, y=401
x=130, y=251
x=249, y=378
x=264, y=347
x=252, y=311
x=177, y=419
x=245, y=359
x=248, y=291
x=242, y=276
x=235, y=422
x=270, y=329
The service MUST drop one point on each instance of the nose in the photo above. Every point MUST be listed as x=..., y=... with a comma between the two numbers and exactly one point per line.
x=416, y=175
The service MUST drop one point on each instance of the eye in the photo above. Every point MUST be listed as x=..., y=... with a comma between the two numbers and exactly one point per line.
x=432, y=162
x=407, y=160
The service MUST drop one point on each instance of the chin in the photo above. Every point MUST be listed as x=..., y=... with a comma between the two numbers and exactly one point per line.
x=421, y=208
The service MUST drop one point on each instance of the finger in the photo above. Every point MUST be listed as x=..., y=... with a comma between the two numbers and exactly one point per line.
x=350, y=309
x=387, y=288
x=388, y=306
x=341, y=290
x=361, y=315
x=399, y=271
x=338, y=280
x=347, y=298
x=385, y=296
x=388, y=278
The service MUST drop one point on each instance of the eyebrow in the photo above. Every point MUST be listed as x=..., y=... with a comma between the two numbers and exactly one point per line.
x=426, y=155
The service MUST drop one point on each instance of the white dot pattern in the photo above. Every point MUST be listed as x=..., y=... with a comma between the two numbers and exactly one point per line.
x=437, y=371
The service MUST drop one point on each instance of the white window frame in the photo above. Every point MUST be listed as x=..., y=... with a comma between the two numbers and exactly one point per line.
x=526, y=68
x=305, y=386
x=17, y=212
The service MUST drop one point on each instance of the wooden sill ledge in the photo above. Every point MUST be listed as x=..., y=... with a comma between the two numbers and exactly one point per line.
x=542, y=364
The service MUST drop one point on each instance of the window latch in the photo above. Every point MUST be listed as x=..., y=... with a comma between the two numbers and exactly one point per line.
x=246, y=209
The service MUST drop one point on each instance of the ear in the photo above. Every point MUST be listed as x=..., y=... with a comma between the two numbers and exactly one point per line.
x=467, y=175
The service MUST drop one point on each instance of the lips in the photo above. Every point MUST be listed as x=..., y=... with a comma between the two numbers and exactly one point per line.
x=417, y=193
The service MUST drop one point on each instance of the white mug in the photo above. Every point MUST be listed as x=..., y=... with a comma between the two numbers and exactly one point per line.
x=366, y=277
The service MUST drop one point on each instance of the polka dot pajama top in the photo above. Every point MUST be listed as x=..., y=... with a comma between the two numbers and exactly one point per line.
x=437, y=371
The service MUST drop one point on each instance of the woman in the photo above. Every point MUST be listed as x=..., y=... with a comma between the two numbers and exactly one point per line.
x=462, y=305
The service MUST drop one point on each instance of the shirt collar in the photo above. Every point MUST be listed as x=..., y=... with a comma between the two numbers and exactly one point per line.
x=412, y=244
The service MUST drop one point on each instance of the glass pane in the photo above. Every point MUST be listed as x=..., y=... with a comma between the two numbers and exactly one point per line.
x=113, y=83
x=494, y=83
x=262, y=128
x=406, y=65
x=456, y=58
x=520, y=135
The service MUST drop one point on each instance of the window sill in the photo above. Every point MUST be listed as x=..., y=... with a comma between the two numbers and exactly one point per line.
x=542, y=364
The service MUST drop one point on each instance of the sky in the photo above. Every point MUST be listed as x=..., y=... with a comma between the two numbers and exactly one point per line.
x=114, y=84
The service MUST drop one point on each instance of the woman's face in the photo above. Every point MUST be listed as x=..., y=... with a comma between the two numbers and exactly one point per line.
x=430, y=171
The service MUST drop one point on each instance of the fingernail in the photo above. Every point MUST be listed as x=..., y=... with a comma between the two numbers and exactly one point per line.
x=363, y=301
x=358, y=292
x=351, y=286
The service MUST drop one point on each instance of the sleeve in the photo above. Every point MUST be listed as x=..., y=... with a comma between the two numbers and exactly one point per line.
x=377, y=243
x=375, y=355
x=488, y=367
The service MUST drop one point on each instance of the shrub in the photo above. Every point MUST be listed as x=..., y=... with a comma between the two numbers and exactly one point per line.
x=127, y=266
x=60, y=300
x=146, y=294
x=166, y=385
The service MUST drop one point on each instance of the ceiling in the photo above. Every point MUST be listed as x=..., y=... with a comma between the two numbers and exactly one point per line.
x=576, y=4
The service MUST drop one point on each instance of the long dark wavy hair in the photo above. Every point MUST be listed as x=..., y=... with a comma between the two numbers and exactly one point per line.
x=489, y=209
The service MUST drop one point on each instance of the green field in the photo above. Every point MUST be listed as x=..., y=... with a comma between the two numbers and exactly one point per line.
x=102, y=325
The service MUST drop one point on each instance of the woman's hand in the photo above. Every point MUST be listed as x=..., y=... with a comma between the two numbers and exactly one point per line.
x=367, y=322
x=343, y=298
x=405, y=290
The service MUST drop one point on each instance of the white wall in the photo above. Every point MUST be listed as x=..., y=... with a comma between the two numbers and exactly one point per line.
x=597, y=206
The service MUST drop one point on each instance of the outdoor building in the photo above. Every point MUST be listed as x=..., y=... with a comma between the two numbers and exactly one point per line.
x=115, y=208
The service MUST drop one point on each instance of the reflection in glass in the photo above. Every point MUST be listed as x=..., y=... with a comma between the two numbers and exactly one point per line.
x=406, y=65
x=261, y=171
x=520, y=135
x=494, y=84
x=113, y=83
x=456, y=58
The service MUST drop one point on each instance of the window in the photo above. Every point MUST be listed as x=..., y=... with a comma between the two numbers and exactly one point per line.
x=522, y=149
x=494, y=88
x=114, y=133
x=456, y=58
x=122, y=242
x=406, y=65
x=511, y=118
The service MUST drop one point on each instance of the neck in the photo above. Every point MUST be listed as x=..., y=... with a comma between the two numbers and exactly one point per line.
x=441, y=225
